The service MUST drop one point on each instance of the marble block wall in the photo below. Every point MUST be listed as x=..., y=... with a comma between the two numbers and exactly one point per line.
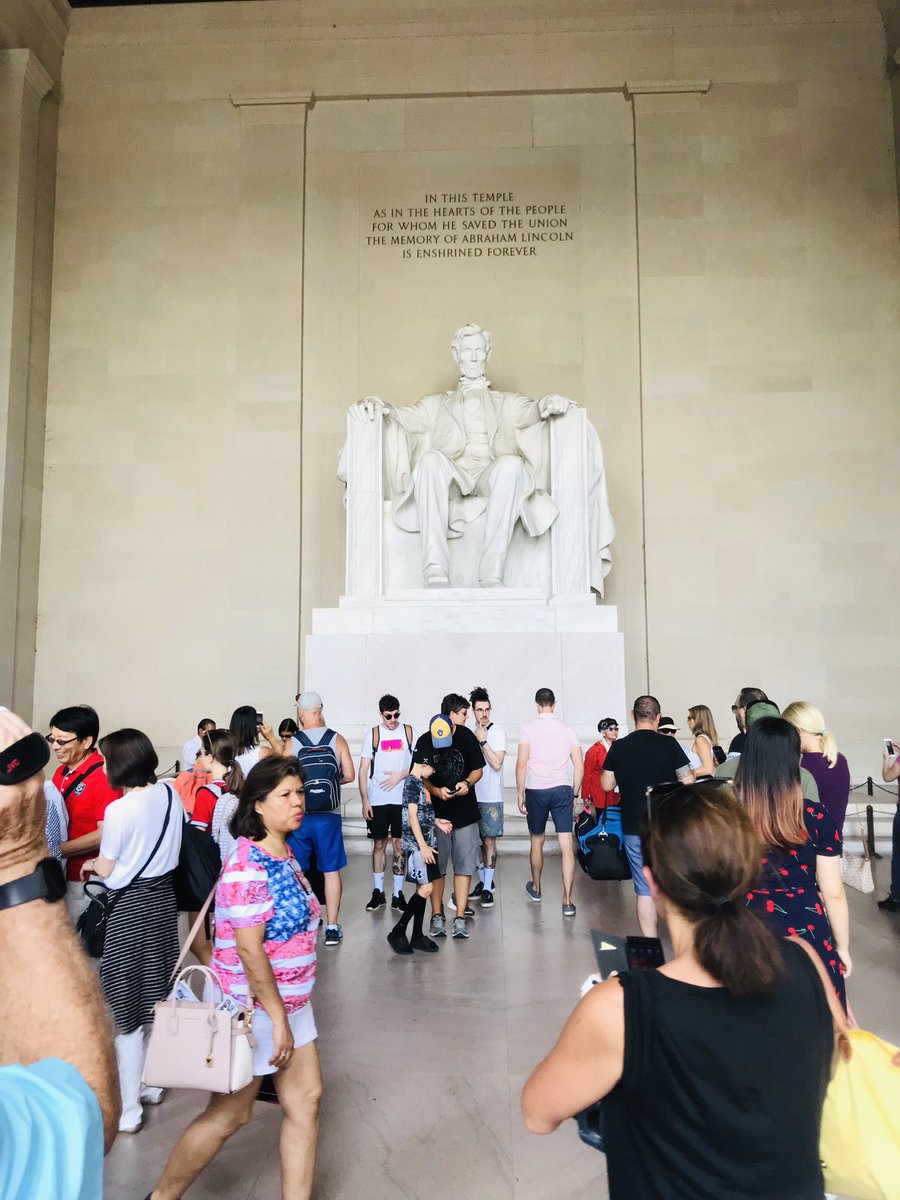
x=730, y=320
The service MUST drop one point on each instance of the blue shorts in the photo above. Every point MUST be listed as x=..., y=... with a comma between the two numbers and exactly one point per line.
x=632, y=846
x=322, y=833
x=491, y=823
x=555, y=802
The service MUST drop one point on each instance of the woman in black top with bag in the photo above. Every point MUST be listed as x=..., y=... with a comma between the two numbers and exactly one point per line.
x=713, y=1068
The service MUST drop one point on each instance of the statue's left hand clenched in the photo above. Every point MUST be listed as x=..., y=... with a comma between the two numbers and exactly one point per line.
x=555, y=406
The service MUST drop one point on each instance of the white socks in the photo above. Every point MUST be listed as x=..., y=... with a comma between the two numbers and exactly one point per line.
x=487, y=878
x=378, y=880
x=398, y=884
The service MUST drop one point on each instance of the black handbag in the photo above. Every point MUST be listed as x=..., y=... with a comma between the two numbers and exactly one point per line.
x=199, y=866
x=91, y=925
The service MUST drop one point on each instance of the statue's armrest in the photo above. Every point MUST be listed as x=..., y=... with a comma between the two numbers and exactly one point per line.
x=362, y=459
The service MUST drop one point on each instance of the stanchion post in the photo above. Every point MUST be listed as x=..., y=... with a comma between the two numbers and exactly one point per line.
x=870, y=831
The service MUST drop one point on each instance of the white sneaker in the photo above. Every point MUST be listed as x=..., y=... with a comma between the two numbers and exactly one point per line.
x=151, y=1095
x=131, y=1127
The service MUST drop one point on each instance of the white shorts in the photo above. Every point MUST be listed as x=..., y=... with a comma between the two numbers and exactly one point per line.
x=303, y=1027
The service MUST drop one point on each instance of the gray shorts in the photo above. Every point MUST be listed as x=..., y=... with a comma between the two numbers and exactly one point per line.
x=465, y=850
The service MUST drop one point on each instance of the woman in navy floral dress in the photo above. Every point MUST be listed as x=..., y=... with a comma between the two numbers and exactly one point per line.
x=800, y=892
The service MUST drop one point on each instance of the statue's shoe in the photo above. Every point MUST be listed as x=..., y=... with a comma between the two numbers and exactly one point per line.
x=490, y=583
x=436, y=579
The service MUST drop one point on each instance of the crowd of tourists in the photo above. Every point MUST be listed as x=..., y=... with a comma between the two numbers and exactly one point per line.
x=738, y=850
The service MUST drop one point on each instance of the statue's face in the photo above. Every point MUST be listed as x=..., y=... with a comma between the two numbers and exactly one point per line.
x=471, y=354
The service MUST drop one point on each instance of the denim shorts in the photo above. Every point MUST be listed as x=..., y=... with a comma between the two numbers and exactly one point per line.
x=555, y=802
x=491, y=823
x=632, y=846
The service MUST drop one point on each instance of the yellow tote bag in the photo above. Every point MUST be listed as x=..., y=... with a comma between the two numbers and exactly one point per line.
x=860, y=1139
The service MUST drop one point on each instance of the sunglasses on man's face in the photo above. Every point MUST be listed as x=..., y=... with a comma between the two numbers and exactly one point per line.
x=60, y=742
x=391, y=716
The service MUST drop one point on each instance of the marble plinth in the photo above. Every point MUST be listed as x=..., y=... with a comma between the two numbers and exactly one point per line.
x=419, y=645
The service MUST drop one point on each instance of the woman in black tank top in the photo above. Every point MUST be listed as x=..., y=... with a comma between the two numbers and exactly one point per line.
x=714, y=1067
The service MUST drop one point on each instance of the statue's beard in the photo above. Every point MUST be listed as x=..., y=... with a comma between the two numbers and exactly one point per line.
x=466, y=384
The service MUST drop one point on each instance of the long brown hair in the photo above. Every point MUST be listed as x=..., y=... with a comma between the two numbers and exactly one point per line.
x=703, y=722
x=705, y=857
x=220, y=744
x=767, y=783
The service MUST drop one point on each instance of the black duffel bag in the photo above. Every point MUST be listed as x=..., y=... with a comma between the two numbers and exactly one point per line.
x=602, y=854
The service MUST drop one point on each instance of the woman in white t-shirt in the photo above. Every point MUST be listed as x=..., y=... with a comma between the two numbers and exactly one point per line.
x=139, y=850
x=245, y=729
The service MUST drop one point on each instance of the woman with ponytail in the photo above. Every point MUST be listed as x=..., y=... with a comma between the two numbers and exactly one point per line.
x=218, y=757
x=713, y=1068
x=821, y=758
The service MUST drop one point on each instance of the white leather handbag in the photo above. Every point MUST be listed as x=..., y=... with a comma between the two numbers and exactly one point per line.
x=194, y=1043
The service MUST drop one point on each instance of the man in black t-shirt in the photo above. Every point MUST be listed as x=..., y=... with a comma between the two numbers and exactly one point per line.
x=746, y=697
x=455, y=754
x=634, y=763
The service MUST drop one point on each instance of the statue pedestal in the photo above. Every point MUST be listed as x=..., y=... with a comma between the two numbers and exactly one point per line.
x=422, y=643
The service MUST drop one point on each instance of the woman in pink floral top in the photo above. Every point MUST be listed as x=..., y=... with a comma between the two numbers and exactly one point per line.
x=267, y=920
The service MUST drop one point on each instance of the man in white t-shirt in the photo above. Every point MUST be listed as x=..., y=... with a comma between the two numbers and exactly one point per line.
x=492, y=739
x=384, y=764
x=192, y=746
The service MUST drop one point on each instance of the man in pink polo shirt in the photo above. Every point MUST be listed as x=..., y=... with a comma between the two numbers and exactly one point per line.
x=549, y=769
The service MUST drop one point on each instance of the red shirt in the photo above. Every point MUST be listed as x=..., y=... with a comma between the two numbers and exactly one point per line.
x=86, y=804
x=205, y=801
x=593, y=769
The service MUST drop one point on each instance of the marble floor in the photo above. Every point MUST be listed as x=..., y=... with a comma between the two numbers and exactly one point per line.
x=424, y=1058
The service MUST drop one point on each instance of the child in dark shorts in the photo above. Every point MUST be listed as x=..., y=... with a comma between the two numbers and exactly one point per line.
x=422, y=866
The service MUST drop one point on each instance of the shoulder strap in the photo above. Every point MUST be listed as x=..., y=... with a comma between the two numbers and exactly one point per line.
x=195, y=929
x=376, y=740
x=162, y=834
x=303, y=739
x=408, y=731
x=80, y=779
x=326, y=737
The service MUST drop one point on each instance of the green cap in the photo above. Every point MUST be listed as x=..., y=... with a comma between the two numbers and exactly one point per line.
x=761, y=709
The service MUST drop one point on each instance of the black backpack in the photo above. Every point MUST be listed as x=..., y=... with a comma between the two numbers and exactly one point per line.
x=323, y=772
x=600, y=852
x=199, y=865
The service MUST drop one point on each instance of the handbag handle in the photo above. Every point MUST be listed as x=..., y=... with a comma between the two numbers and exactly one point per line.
x=210, y=976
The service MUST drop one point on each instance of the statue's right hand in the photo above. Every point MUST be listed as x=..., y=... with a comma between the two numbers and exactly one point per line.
x=365, y=409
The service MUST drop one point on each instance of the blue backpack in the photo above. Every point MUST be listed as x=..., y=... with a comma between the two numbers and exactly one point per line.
x=323, y=772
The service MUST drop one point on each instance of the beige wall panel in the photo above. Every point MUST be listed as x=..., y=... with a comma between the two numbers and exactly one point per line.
x=768, y=448
x=564, y=320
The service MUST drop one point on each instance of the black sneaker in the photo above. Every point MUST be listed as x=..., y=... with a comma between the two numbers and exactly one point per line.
x=378, y=901
x=487, y=899
x=477, y=890
x=470, y=911
x=425, y=944
x=890, y=904
x=399, y=902
x=399, y=942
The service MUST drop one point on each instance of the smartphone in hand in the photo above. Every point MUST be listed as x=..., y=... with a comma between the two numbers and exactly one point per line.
x=889, y=746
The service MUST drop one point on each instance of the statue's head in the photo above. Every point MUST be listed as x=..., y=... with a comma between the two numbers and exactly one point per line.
x=471, y=347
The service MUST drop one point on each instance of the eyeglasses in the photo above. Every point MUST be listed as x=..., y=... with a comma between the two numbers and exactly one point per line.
x=735, y=708
x=612, y=727
x=391, y=716
x=60, y=742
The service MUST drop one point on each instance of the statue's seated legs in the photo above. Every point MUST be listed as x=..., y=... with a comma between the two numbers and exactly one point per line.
x=432, y=477
x=503, y=484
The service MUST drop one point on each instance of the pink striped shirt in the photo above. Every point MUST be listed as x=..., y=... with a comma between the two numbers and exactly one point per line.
x=255, y=888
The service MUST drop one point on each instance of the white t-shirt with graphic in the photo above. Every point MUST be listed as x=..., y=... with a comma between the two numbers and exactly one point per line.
x=393, y=754
x=490, y=786
x=131, y=826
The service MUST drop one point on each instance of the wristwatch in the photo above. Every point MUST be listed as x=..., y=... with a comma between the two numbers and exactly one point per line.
x=46, y=882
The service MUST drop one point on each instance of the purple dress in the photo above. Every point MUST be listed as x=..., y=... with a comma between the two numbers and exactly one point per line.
x=787, y=898
x=833, y=783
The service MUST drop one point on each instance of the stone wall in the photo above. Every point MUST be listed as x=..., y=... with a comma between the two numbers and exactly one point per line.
x=736, y=341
